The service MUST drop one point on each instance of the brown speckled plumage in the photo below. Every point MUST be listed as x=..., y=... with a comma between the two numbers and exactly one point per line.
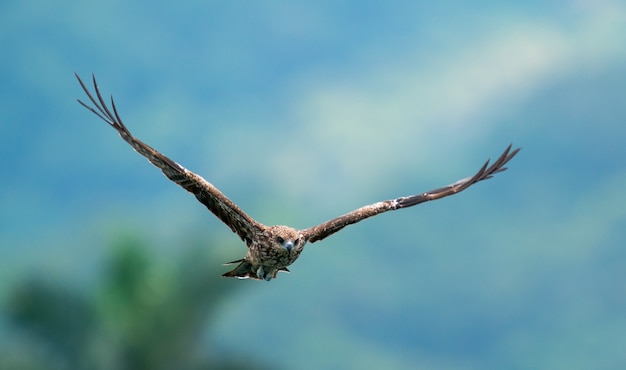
x=270, y=248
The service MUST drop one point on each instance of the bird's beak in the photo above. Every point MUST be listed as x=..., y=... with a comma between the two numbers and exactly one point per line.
x=288, y=245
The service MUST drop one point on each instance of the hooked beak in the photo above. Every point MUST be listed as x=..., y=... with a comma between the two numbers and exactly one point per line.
x=288, y=245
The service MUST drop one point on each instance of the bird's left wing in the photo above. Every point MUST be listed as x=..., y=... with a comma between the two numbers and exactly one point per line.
x=330, y=227
x=227, y=211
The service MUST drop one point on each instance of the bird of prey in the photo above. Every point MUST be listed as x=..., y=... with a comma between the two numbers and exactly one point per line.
x=271, y=249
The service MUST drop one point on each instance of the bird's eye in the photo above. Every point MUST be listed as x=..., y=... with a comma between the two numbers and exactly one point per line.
x=295, y=242
x=280, y=240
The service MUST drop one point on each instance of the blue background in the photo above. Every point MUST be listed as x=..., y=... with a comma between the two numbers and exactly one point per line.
x=300, y=112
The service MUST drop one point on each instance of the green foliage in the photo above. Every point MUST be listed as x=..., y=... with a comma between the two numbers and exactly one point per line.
x=146, y=314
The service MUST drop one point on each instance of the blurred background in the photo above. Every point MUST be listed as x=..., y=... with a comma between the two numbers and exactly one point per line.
x=299, y=113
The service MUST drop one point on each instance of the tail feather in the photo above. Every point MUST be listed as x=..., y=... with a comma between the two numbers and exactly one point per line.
x=244, y=270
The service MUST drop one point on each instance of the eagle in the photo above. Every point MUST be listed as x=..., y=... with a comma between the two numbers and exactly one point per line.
x=271, y=249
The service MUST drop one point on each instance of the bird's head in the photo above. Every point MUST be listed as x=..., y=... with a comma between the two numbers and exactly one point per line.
x=286, y=238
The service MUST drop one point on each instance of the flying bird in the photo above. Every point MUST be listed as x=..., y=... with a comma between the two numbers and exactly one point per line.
x=271, y=249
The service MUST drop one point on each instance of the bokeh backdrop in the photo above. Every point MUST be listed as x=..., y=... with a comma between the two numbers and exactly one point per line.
x=300, y=112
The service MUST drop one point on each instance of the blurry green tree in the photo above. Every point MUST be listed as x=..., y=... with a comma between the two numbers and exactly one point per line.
x=144, y=316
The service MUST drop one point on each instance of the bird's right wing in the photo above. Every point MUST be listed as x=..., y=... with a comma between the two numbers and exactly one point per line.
x=227, y=211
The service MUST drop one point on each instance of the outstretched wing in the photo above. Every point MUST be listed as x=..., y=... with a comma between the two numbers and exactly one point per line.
x=227, y=211
x=330, y=227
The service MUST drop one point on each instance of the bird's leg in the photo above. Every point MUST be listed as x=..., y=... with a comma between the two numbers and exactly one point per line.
x=261, y=273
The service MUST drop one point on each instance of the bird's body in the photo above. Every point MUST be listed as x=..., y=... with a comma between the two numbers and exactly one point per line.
x=271, y=249
x=275, y=248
